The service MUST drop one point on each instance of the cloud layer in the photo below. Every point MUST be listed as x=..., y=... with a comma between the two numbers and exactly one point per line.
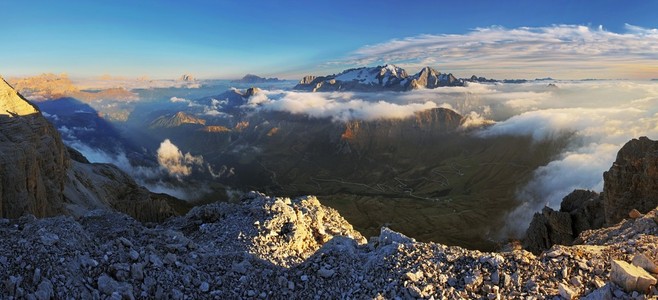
x=562, y=51
x=340, y=106
x=597, y=118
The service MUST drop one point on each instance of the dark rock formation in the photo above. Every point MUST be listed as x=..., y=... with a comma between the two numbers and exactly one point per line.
x=580, y=210
x=585, y=208
x=548, y=228
x=632, y=181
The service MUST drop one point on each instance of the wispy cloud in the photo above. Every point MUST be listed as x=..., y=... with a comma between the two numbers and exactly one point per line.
x=564, y=51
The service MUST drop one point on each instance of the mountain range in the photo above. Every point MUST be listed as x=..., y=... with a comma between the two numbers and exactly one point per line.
x=254, y=79
x=387, y=77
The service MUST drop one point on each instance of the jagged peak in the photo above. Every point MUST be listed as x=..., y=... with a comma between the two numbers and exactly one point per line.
x=176, y=120
x=251, y=91
x=12, y=103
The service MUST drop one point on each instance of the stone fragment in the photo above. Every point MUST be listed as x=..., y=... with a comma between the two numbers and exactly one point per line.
x=325, y=273
x=45, y=290
x=642, y=261
x=107, y=285
x=566, y=292
x=634, y=214
x=630, y=277
x=134, y=255
x=414, y=277
x=204, y=287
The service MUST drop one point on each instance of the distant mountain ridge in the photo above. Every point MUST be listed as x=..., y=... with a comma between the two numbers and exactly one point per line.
x=391, y=78
x=251, y=78
x=379, y=78
x=176, y=120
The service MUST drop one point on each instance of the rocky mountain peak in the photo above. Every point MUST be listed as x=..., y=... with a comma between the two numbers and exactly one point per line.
x=187, y=78
x=251, y=91
x=12, y=103
x=175, y=120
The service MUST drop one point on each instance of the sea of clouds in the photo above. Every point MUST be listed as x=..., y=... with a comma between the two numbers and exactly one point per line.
x=597, y=116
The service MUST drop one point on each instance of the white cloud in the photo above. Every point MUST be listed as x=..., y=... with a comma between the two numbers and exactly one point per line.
x=565, y=51
x=175, y=162
x=339, y=106
x=178, y=100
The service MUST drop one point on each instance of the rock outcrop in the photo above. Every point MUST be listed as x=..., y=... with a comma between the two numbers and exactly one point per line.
x=38, y=176
x=580, y=210
x=429, y=78
x=632, y=181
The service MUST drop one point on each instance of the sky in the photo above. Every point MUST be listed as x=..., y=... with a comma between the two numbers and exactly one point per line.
x=227, y=39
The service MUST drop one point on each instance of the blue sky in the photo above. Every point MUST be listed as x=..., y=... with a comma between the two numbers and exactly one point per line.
x=226, y=39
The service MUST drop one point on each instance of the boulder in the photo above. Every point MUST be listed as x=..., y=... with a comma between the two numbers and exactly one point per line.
x=630, y=277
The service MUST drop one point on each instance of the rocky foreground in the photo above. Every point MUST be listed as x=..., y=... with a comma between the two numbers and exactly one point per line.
x=265, y=247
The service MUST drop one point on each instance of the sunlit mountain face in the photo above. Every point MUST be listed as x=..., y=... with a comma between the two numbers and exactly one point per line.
x=467, y=164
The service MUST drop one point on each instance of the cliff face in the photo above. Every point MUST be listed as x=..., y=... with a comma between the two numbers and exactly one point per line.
x=38, y=176
x=423, y=125
x=632, y=181
x=34, y=160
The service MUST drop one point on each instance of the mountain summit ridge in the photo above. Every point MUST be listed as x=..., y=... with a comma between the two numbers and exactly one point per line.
x=379, y=78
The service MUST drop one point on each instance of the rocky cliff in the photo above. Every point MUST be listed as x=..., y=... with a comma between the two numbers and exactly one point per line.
x=422, y=127
x=630, y=184
x=580, y=210
x=34, y=161
x=632, y=181
x=39, y=178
